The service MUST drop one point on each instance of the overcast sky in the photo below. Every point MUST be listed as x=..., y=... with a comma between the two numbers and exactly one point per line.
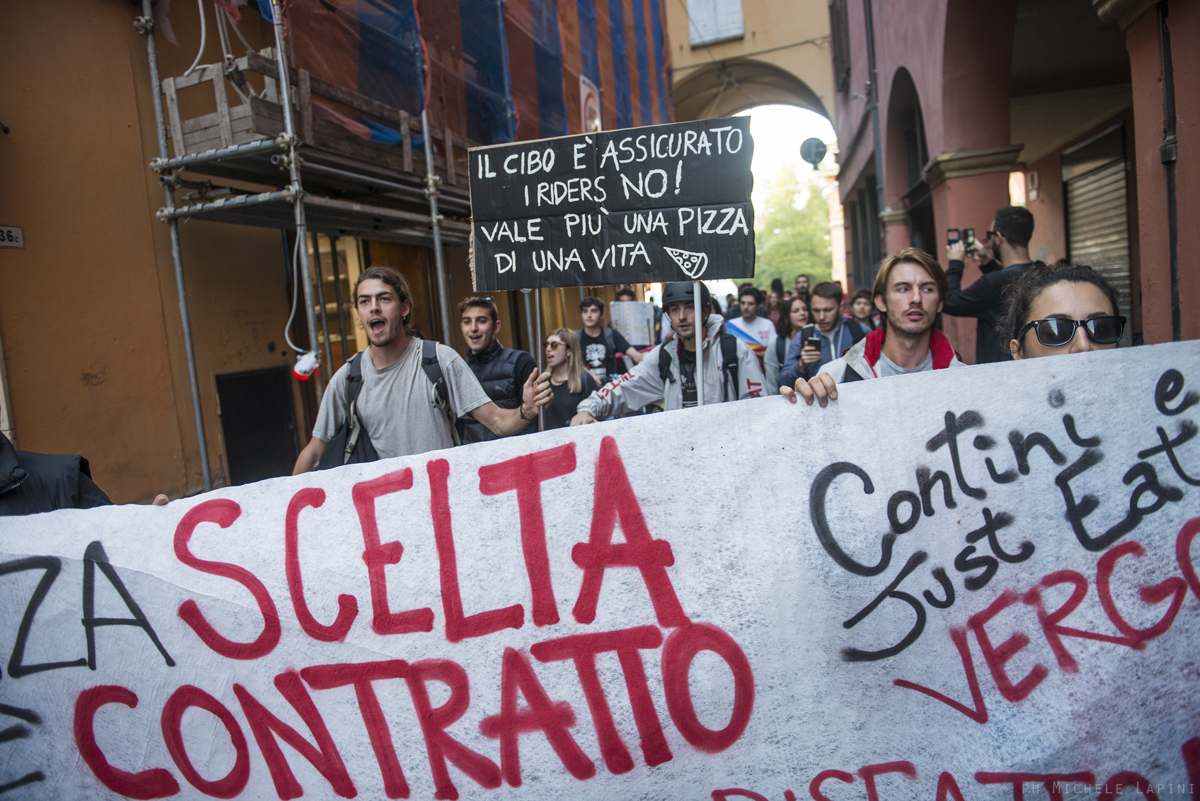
x=778, y=132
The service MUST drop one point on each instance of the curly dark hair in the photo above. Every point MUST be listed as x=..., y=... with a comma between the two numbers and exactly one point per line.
x=1020, y=295
x=783, y=326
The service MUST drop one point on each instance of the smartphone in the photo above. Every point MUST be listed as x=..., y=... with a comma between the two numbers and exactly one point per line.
x=952, y=236
x=968, y=235
x=810, y=336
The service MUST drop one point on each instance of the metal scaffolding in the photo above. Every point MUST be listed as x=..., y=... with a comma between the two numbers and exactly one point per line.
x=281, y=163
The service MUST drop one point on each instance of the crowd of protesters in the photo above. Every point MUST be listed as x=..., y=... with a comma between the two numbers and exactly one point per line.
x=405, y=395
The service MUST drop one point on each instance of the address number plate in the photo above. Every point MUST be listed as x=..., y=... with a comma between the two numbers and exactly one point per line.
x=11, y=236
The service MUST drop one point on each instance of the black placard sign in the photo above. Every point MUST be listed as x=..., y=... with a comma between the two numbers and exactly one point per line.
x=660, y=203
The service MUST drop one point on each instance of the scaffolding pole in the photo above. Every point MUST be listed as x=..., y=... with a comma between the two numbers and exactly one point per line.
x=293, y=157
x=439, y=261
x=218, y=154
x=171, y=213
x=146, y=26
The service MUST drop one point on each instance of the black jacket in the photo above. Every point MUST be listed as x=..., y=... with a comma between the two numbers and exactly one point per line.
x=984, y=300
x=38, y=482
x=502, y=372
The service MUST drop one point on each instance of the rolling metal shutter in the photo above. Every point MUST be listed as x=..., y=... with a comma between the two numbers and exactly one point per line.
x=1098, y=227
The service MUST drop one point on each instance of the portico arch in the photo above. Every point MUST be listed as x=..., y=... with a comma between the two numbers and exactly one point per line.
x=909, y=214
x=722, y=88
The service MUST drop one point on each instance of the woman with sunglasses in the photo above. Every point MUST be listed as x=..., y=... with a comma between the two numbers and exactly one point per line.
x=1061, y=309
x=569, y=382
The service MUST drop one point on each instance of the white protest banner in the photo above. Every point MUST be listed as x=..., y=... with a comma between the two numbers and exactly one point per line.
x=976, y=584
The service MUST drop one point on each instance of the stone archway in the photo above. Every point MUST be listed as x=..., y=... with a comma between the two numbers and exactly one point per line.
x=723, y=88
x=909, y=214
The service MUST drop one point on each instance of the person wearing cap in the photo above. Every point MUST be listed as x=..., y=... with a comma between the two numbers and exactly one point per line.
x=667, y=374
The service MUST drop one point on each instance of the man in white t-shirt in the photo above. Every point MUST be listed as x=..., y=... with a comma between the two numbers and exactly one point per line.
x=908, y=293
x=757, y=332
x=398, y=404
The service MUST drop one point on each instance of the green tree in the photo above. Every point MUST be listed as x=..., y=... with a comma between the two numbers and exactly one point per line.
x=791, y=232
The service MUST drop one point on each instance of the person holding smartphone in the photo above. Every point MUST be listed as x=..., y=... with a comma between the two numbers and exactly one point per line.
x=1002, y=256
x=827, y=338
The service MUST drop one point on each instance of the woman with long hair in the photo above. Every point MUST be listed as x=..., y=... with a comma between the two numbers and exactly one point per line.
x=569, y=382
x=793, y=316
x=774, y=307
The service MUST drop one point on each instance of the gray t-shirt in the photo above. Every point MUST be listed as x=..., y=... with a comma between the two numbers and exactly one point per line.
x=888, y=367
x=398, y=404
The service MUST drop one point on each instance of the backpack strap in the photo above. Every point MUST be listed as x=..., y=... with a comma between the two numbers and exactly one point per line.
x=433, y=371
x=617, y=359
x=729, y=363
x=354, y=383
x=781, y=344
x=354, y=379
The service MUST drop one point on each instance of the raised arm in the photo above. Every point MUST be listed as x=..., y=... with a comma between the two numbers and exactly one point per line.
x=635, y=389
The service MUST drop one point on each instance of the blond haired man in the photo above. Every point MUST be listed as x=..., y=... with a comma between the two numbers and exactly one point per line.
x=908, y=293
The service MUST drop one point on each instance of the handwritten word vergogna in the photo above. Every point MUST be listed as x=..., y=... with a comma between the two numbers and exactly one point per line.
x=680, y=639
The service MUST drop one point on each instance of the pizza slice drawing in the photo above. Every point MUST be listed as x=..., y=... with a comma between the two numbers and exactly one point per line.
x=693, y=264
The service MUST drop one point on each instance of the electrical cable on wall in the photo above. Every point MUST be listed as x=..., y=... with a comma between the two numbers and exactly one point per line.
x=307, y=362
x=236, y=29
x=203, y=39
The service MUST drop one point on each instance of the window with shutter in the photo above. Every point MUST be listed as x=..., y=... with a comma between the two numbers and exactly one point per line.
x=712, y=21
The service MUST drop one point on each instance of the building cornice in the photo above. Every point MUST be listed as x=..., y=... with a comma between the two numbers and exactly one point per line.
x=961, y=163
x=1122, y=12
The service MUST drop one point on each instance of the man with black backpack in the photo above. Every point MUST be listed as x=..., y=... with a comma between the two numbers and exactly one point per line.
x=604, y=350
x=402, y=394
x=667, y=374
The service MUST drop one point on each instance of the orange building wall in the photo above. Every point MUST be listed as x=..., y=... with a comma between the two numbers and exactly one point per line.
x=88, y=309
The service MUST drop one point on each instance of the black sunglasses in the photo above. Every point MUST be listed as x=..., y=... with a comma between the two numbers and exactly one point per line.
x=1054, y=332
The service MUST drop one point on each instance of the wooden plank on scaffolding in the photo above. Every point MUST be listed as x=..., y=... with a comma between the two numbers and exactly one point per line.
x=238, y=116
x=223, y=122
x=304, y=100
x=406, y=140
x=202, y=74
x=449, y=145
x=320, y=88
x=173, y=122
